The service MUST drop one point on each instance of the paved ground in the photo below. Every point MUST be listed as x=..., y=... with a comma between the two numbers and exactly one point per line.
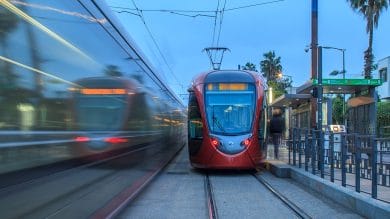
x=178, y=192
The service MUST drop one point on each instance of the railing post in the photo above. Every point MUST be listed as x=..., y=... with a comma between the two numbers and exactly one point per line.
x=343, y=158
x=294, y=147
x=357, y=141
x=321, y=152
x=374, y=174
x=313, y=151
x=299, y=148
x=290, y=144
x=307, y=150
x=331, y=155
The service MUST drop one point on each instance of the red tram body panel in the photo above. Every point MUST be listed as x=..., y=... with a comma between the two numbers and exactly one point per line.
x=227, y=120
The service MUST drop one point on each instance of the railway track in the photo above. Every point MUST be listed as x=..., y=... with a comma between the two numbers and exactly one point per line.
x=52, y=174
x=210, y=201
x=82, y=191
x=298, y=211
x=213, y=206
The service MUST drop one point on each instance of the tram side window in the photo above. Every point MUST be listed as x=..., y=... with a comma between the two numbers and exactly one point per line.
x=263, y=122
x=195, y=120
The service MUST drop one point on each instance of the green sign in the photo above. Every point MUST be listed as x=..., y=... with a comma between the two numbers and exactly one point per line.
x=349, y=82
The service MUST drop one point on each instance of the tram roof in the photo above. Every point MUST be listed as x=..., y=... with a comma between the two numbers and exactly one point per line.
x=229, y=76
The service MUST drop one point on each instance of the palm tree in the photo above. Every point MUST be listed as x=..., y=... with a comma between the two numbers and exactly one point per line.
x=270, y=66
x=249, y=66
x=371, y=9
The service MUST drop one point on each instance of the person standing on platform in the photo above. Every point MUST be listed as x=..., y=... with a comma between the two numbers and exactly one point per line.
x=276, y=130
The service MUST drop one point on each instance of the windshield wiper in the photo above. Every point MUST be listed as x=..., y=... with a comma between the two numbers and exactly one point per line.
x=216, y=121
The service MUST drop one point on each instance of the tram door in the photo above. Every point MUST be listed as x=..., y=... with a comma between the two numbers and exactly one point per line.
x=195, y=125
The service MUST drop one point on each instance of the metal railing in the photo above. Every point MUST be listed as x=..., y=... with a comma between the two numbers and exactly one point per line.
x=351, y=157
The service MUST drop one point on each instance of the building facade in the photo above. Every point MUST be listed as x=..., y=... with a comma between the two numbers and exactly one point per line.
x=384, y=74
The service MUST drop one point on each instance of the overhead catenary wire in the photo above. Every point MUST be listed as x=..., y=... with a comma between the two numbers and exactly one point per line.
x=197, y=11
x=216, y=36
x=220, y=22
x=215, y=23
x=253, y=5
x=217, y=28
x=155, y=42
x=165, y=10
x=193, y=16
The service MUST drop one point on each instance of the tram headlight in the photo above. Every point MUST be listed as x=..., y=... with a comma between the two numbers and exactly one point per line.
x=246, y=142
x=214, y=142
x=82, y=139
x=115, y=140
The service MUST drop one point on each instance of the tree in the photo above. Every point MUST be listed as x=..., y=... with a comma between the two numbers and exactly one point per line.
x=371, y=10
x=277, y=88
x=270, y=66
x=249, y=66
x=383, y=119
x=337, y=110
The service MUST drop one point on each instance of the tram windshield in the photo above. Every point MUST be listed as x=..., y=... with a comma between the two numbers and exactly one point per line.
x=230, y=112
x=100, y=113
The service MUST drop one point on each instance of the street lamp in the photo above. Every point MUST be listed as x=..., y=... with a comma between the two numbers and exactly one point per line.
x=336, y=72
x=280, y=75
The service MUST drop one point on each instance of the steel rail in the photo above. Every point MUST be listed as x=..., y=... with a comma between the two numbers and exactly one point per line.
x=212, y=208
x=298, y=211
x=70, y=170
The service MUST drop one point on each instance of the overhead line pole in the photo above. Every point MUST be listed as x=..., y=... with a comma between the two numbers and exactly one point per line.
x=314, y=57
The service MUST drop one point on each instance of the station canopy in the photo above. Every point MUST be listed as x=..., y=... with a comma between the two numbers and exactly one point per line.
x=290, y=100
x=340, y=86
x=330, y=86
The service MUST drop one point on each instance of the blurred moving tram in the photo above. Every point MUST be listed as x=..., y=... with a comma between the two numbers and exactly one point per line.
x=73, y=80
x=113, y=112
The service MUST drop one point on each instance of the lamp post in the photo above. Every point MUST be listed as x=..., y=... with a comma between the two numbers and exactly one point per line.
x=319, y=89
x=280, y=75
x=343, y=52
x=335, y=72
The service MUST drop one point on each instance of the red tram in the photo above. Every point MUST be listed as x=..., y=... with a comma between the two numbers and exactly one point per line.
x=227, y=120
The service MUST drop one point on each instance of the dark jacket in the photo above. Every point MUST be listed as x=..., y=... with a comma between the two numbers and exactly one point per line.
x=276, y=124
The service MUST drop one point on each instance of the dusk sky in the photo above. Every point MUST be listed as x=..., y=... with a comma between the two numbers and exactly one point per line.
x=282, y=26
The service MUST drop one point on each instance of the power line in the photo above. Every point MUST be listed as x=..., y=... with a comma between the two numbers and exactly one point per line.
x=194, y=16
x=253, y=5
x=195, y=11
x=220, y=22
x=171, y=12
x=155, y=42
x=128, y=12
x=164, y=10
x=139, y=12
x=215, y=24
